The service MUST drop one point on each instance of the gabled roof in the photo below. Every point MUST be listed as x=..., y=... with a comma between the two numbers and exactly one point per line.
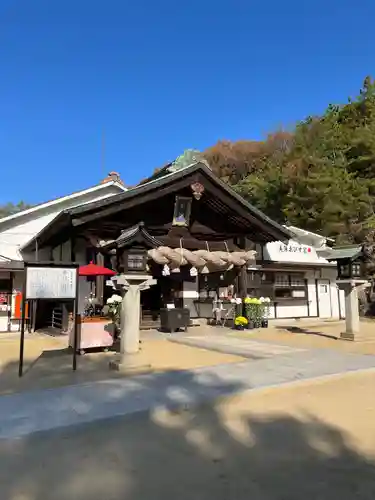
x=159, y=182
x=352, y=253
x=137, y=233
x=76, y=195
x=89, y=212
x=312, y=238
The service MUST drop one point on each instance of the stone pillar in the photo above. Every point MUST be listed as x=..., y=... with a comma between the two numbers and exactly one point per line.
x=130, y=359
x=351, y=313
x=350, y=287
x=130, y=316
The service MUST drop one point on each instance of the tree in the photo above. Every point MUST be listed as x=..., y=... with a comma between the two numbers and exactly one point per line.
x=10, y=208
x=320, y=176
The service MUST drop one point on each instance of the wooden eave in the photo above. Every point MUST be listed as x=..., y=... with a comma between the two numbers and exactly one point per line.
x=244, y=215
x=135, y=234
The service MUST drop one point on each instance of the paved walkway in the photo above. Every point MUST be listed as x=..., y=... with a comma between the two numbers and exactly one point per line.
x=25, y=413
x=231, y=345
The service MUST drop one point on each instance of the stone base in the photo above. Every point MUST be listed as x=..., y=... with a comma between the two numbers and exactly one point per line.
x=347, y=336
x=353, y=337
x=131, y=364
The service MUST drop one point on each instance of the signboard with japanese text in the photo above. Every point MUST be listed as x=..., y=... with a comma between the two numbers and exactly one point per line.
x=292, y=251
x=294, y=248
x=51, y=283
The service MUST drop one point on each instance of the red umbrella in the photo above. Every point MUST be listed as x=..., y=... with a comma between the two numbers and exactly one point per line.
x=95, y=270
x=92, y=270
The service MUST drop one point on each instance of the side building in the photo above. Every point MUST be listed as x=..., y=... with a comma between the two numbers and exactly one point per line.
x=18, y=229
x=299, y=279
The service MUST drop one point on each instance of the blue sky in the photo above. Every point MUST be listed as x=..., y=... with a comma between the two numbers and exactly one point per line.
x=162, y=76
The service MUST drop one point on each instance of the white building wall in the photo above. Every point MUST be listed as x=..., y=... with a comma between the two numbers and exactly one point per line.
x=272, y=311
x=292, y=309
x=342, y=303
x=16, y=233
x=311, y=294
x=189, y=294
x=330, y=273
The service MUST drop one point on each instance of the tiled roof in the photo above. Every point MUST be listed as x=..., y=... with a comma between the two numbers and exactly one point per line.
x=345, y=253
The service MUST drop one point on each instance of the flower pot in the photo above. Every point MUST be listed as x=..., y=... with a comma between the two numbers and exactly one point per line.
x=238, y=327
x=264, y=323
x=250, y=325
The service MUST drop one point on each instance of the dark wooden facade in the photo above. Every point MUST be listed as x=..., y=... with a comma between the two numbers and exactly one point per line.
x=217, y=219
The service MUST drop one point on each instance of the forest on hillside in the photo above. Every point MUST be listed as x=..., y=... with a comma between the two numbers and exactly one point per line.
x=319, y=176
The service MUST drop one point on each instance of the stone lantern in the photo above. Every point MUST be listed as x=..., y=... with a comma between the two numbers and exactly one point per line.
x=350, y=271
x=129, y=253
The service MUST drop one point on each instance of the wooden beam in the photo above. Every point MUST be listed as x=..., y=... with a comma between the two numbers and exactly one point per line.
x=235, y=205
x=194, y=244
x=131, y=202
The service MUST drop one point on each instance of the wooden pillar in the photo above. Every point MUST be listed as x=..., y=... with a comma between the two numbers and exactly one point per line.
x=242, y=277
x=242, y=282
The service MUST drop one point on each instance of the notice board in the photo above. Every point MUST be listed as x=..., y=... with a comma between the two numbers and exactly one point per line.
x=50, y=282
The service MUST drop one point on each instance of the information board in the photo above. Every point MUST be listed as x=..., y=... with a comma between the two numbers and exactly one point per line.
x=50, y=282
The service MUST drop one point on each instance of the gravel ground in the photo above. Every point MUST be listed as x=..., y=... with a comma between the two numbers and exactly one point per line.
x=314, y=441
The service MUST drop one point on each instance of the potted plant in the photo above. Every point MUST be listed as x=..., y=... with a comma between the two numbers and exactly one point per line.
x=114, y=308
x=258, y=313
x=266, y=302
x=240, y=322
x=238, y=306
x=253, y=312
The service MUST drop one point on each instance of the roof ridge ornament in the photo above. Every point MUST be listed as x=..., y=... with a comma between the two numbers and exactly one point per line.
x=188, y=157
x=198, y=190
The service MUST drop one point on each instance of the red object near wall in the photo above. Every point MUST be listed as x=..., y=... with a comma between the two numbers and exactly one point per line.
x=18, y=307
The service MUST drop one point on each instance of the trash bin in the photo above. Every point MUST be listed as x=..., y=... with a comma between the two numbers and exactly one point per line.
x=173, y=319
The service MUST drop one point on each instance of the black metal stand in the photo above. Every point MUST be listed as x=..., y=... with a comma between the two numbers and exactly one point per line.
x=23, y=316
x=25, y=298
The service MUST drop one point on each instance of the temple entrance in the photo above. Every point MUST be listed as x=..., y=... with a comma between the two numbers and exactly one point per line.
x=151, y=302
x=167, y=290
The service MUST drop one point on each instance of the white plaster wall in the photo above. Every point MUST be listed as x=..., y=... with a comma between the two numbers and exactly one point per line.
x=272, y=311
x=4, y=315
x=16, y=233
x=335, y=306
x=311, y=296
x=311, y=292
x=330, y=273
x=3, y=323
x=17, y=286
x=342, y=303
x=292, y=309
x=189, y=294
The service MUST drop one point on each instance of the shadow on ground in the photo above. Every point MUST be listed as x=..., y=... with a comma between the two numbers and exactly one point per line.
x=200, y=454
x=299, y=330
x=54, y=368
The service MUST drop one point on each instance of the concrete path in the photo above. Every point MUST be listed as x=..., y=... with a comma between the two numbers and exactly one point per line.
x=26, y=413
x=231, y=345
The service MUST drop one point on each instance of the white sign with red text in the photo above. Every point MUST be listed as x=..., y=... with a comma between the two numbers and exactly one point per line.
x=292, y=251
